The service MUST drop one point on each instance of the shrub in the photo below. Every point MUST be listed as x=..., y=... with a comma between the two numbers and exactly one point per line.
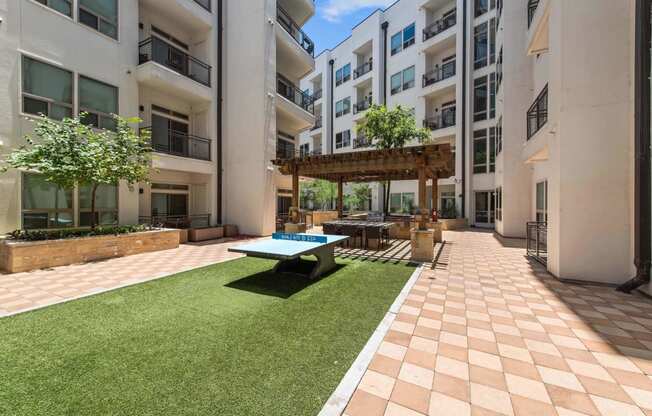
x=43, y=235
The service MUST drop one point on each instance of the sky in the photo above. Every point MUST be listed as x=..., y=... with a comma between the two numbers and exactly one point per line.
x=335, y=18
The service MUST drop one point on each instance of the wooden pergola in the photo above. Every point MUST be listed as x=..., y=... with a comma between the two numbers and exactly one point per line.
x=410, y=163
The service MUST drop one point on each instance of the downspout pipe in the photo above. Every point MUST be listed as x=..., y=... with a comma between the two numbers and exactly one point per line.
x=331, y=89
x=384, y=27
x=643, y=182
x=464, y=92
x=219, y=117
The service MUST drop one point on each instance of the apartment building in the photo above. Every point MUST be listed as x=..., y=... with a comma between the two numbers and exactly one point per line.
x=435, y=57
x=538, y=104
x=209, y=96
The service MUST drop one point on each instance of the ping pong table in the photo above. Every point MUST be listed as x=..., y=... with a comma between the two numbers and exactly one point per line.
x=288, y=249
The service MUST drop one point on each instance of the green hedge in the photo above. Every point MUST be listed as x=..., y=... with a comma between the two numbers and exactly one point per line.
x=42, y=235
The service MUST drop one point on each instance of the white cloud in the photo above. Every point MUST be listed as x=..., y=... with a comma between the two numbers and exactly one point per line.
x=335, y=9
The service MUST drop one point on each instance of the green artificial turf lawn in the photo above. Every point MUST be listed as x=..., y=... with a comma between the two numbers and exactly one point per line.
x=228, y=339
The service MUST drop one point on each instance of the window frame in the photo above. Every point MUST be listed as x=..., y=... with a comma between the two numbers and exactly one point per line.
x=499, y=204
x=402, y=43
x=480, y=30
x=98, y=210
x=479, y=84
x=46, y=3
x=49, y=211
x=81, y=8
x=100, y=114
x=48, y=101
x=479, y=9
x=480, y=138
x=345, y=109
x=340, y=77
x=541, y=213
x=343, y=139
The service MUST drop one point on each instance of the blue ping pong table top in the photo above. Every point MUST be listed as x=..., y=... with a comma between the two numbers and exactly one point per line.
x=283, y=247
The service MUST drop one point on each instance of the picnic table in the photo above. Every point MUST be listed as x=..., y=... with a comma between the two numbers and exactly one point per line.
x=288, y=249
x=365, y=228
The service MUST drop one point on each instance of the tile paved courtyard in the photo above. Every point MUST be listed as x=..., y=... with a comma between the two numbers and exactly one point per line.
x=490, y=333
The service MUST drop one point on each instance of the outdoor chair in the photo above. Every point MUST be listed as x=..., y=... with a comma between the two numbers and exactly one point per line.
x=354, y=232
x=377, y=233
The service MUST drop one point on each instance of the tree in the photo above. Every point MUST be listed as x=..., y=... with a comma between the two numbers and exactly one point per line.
x=359, y=197
x=391, y=129
x=320, y=192
x=69, y=153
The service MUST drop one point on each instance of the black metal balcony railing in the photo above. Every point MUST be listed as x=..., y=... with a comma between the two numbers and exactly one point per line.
x=532, y=6
x=177, y=221
x=159, y=51
x=287, y=89
x=441, y=121
x=206, y=4
x=316, y=95
x=179, y=143
x=285, y=150
x=537, y=241
x=363, y=105
x=537, y=115
x=439, y=26
x=440, y=73
x=363, y=69
x=318, y=123
x=361, y=142
x=295, y=31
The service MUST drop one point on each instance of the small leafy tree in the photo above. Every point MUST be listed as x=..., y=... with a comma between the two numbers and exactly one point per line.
x=320, y=192
x=391, y=129
x=359, y=196
x=69, y=152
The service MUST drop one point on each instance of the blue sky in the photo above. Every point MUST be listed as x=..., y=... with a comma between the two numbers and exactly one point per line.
x=334, y=19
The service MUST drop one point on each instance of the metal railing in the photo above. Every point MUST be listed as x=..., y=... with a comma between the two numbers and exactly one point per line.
x=537, y=115
x=287, y=89
x=532, y=6
x=318, y=123
x=177, y=221
x=285, y=150
x=441, y=121
x=361, y=142
x=363, y=105
x=439, y=26
x=317, y=95
x=206, y=4
x=363, y=69
x=157, y=50
x=537, y=241
x=440, y=73
x=295, y=31
x=179, y=143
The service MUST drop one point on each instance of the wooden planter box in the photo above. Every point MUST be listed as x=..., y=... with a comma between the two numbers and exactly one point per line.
x=320, y=217
x=454, y=224
x=205, y=234
x=231, y=230
x=401, y=231
x=24, y=256
x=183, y=236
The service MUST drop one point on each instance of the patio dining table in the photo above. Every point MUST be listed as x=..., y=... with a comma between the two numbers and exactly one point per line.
x=363, y=225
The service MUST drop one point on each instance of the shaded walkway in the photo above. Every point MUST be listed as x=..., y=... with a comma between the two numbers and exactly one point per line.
x=487, y=332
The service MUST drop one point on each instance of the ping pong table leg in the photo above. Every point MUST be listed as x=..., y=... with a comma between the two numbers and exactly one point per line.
x=325, y=261
x=286, y=265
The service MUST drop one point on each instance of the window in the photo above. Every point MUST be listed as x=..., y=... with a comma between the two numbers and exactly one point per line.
x=62, y=6
x=492, y=95
x=304, y=149
x=47, y=89
x=480, y=99
x=480, y=46
x=106, y=205
x=100, y=101
x=403, y=39
x=499, y=203
x=537, y=115
x=101, y=15
x=343, y=107
x=484, y=207
x=499, y=69
x=343, y=139
x=45, y=205
x=480, y=151
x=499, y=136
x=402, y=81
x=481, y=7
x=492, y=149
x=343, y=74
x=492, y=41
x=542, y=201
x=401, y=203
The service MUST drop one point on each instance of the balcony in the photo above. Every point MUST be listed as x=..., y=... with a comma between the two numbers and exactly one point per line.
x=295, y=31
x=363, y=69
x=439, y=26
x=361, y=142
x=294, y=94
x=157, y=50
x=537, y=115
x=363, y=105
x=317, y=95
x=191, y=16
x=318, y=123
x=440, y=121
x=440, y=73
x=285, y=149
x=177, y=143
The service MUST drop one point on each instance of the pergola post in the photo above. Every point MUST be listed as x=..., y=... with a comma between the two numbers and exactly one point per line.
x=423, y=208
x=340, y=198
x=435, y=192
x=294, y=209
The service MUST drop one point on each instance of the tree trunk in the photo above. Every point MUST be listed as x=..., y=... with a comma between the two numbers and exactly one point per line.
x=93, y=192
